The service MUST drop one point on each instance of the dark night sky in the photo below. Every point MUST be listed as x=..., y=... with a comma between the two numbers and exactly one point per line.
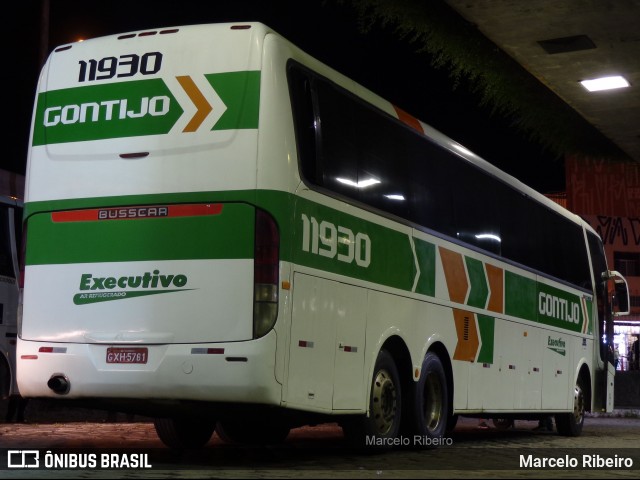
x=378, y=60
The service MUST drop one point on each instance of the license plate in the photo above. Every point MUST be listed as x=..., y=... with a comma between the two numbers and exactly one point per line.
x=127, y=355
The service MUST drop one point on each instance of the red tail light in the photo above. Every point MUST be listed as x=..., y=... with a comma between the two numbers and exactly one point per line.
x=265, y=274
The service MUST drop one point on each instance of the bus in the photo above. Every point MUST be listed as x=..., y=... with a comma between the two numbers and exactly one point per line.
x=11, y=205
x=227, y=235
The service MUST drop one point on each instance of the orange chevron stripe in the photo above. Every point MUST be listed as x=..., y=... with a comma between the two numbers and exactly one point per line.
x=495, y=275
x=203, y=107
x=455, y=274
x=468, y=342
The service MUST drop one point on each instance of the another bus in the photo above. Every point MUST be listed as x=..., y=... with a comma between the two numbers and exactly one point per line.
x=11, y=204
x=228, y=235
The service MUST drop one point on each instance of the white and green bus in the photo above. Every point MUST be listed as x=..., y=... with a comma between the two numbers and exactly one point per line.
x=226, y=234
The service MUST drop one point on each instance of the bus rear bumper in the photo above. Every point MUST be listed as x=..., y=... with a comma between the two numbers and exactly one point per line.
x=217, y=372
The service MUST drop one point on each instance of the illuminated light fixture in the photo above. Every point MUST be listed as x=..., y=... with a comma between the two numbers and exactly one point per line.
x=395, y=197
x=362, y=184
x=605, y=83
x=488, y=236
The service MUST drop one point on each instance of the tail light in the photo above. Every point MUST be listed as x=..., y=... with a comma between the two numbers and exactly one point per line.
x=265, y=273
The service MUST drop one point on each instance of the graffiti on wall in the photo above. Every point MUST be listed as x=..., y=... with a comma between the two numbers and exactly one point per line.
x=623, y=231
x=598, y=187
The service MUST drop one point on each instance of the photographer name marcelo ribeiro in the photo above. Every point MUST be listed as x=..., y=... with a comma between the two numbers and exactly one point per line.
x=402, y=441
x=579, y=461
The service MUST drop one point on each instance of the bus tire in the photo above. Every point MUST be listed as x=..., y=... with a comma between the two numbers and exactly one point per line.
x=184, y=433
x=381, y=426
x=252, y=431
x=570, y=424
x=431, y=417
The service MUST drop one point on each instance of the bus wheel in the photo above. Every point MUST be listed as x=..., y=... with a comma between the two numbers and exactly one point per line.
x=184, y=433
x=252, y=431
x=431, y=411
x=380, y=428
x=570, y=424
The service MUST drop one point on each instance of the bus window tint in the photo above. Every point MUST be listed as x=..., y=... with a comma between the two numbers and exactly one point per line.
x=477, y=209
x=305, y=126
x=337, y=151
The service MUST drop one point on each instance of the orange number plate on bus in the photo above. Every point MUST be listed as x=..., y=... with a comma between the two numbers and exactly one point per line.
x=127, y=355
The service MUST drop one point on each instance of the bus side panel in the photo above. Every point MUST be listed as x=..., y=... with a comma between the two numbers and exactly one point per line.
x=326, y=359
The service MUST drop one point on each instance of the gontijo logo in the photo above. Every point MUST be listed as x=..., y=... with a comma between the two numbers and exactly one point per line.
x=104, y=106
x=560, y=308
x=95, y=289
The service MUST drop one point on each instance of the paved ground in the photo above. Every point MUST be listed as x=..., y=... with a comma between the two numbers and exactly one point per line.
x=318, y=453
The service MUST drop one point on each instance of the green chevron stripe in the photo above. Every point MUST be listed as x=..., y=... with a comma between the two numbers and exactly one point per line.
x=426, y=253
x=486, y=325
x=479, y=290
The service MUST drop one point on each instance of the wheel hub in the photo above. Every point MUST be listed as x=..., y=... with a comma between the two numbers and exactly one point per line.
x=384, y=402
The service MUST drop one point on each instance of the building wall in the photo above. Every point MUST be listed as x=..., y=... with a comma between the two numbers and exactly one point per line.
x=607, y=195
x=599, y=187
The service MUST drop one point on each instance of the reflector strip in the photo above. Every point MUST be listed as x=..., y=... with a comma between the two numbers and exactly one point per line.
x=350, y=349
x=28, y=357
x=52, y=350
x=305, y=344
x=138, y=212
x=207, y=351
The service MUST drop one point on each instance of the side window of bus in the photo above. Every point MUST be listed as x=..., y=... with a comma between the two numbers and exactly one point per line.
x=337, y=150
x=477, y=209
x=431, y=203
x=305, y=124
x=357, y=151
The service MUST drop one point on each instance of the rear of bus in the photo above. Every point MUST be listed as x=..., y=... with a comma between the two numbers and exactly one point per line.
x=152, y=260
